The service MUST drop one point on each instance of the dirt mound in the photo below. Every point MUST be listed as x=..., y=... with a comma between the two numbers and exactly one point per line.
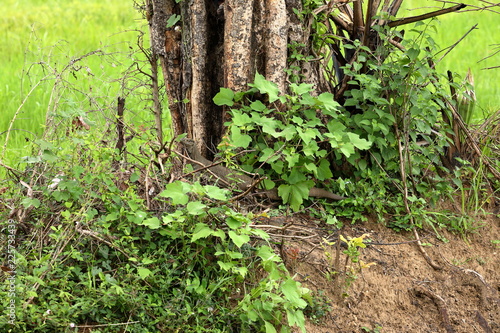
x=401, y=292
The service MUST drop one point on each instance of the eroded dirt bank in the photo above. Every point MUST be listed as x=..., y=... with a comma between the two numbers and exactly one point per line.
x=401, y=292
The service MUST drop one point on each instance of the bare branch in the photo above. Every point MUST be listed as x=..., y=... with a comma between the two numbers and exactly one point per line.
x=411, y=19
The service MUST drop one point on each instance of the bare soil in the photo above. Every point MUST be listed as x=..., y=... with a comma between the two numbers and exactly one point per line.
x=401, y=292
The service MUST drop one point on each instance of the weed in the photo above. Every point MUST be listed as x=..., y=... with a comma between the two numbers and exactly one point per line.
x=344, y=276
x=376, y=329
x=99, y=254
x=319, y=307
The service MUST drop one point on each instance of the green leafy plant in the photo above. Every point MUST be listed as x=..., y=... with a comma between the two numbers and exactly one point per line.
x=344, y=276
x=290, y=145
x=319, y=306
x=103, y=254
x=376, y=329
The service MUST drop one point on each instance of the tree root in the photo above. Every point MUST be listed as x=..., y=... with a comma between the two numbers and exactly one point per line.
x=431, y=262
x=440, y=304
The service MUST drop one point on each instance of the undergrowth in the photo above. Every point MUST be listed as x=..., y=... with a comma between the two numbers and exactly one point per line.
x=90, y=250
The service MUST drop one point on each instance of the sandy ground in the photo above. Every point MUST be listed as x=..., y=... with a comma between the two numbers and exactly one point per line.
x=401, y=292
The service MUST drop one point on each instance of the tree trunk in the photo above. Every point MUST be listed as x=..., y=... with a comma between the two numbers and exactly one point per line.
x=218, y=44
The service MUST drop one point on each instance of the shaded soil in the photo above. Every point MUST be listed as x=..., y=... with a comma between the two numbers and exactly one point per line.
x=401, y=292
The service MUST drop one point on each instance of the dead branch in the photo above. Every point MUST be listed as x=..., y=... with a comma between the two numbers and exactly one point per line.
x=483, y=323
x=120, y=141
x=106, y=325
x=475, y=8
x=450, y=48
x=472, y=142
x=412, y=19
x=96, y=236
x=431, y=262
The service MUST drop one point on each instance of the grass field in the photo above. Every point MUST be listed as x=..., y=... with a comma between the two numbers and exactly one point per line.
x=40, y=37
x=52, y=32
x=479, y=44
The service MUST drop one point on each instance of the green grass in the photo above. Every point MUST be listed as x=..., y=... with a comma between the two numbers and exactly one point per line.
x=54, y=32
x=479, y=44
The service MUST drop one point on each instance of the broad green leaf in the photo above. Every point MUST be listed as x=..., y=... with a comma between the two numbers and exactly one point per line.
x=147, y=261
x=265, y=87
x=269, y=327
x=295, y=194
x=219, y=233
x=296, y=176
x=413, y=53
x=267, y=254
x=137, y=217
x=347, y=149
x=269, y=156
x=177, y=192
x=278, y=167
x=224, y=97
x=196, y=208
x=323, y=170
x=216, y=193
x=49, y=156
x=359, y=142
x=329, y=102
x=238, y=139
x=201, y=230
x=288, y=132
x=301, y=89
x=308, y=100
x=240, y=119
x=172, y=20
x=260, y=233
x=297, y=120
x=257, y=106
x=362, y=164
x=310, y=149
x=238, y=240
x=177, y=216
x=134, y=177
x=242, y=271
x=308, y=135
x=311, y=167
x=152, y=223
x=143, y=272
x=292, y=158
x=225, y=265
x=291, y=292
x=30, y=202
x=296, y=318
x=335, y=127
x=332, y=220
x=233, y=223
x=269, y=125
x=234, y=254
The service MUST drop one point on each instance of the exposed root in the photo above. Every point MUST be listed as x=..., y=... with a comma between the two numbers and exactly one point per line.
x=440, y=304
x=483, y=323
x=431, y=262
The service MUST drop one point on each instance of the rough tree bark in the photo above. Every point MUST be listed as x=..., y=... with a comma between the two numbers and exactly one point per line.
x=217, y=44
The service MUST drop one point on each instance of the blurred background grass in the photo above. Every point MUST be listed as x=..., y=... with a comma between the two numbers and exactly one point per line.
x=38, y=35
x=479, y=44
